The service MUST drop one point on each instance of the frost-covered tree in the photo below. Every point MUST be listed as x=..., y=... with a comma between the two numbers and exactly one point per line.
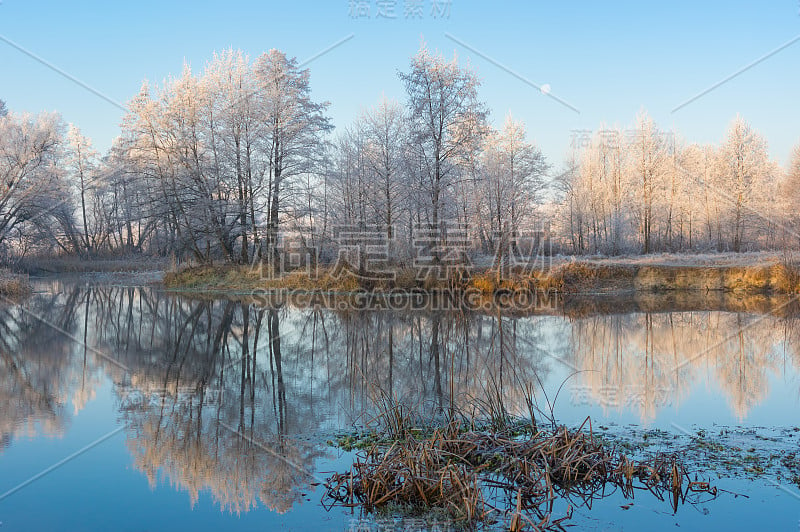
x=646, y=190
x=700, y=206
x=793, y=174
x=294, y=131
x=33, y=210
x=81, y=162
x=513, y=178
x=223, y=147
x=216, y=163
x=790, y=192
x=445, y=118
x=600, y=192
x=232, y=126
x=385, y=133
x=350, y=180
x=648, y=160
x=131, y=213
x=746, y=181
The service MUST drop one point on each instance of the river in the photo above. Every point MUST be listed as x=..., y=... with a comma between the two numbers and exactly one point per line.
x=125, y=407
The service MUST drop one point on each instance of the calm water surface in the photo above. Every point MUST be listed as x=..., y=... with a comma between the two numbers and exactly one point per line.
x=215, y=414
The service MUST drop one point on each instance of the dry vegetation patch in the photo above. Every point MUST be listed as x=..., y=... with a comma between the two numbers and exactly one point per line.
x=516, y=475
x=13, y=284
x=573, y=277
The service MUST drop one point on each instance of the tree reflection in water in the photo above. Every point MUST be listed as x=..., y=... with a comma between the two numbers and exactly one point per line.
x=650, y=359
x=237, y=401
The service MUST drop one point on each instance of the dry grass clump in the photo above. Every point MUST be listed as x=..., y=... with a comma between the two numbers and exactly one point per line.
x=488, y=282
x=580, y=276
x=749, y=278
x=785, y=277
x=486, y=475
x=13, y=284
x=411, y=473
x=484, y=283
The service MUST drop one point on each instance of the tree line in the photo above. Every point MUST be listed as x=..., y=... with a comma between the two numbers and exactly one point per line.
x=227, y=163
x=644, y=190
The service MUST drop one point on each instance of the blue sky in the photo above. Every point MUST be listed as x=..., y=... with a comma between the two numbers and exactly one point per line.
x=607, y=59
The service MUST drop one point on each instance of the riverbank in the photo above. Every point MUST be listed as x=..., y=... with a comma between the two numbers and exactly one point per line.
x=13, y=284
x=39, y=266
x=749, y=273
